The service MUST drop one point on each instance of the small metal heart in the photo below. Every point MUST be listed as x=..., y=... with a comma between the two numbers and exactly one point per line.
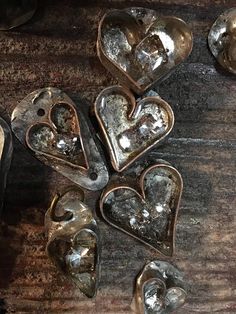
x=140, y=48
x=56, y=131
x=131, y=128
x=74, y=243
x=146, y=210
x=222, y=40
x=5, y=156
x=160, y=289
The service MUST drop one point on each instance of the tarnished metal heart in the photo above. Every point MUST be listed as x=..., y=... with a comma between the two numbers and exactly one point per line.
x=74, y=243
x=140, y=48
x=56, y=131
x=160, y=289
x=131, y=128
x=147, y=210
x=5, y=156
x=16, y=12
x=222, y=40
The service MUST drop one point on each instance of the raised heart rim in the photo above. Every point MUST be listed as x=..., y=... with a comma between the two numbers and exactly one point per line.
x=138, y=189
x=134, y=105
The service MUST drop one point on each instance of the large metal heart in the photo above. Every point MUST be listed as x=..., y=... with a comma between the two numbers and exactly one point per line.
x=140, y=48
x=130, y=128
x=56, y=131
x=74, y=243
x=146, y=210
x=160, y=289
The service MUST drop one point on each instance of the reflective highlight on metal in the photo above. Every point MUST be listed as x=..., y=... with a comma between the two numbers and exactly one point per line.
x=222, y=40
x=57, y=132
x=16, y=12
x=129, y=127
x=140, y=48
x=146, y=209
x=73, y=240
x=5, y=156
x=160, y=289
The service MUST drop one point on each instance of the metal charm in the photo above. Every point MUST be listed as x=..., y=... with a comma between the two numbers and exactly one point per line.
x=131, y=128
x=5, y=156
x=140, y=48
x=16, y=12
x=222, y=40
x=74, y=244
x=160, y=289
x=56, y=131
x=147, y=209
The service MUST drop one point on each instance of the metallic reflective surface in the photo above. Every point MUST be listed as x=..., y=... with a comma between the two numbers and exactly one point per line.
x=16, y=12
x=160, y=289
x=146, y=209
x=56, y=131
x=5, y=156
x=131, y=128
x=140, y=48
x=222, y=40
x=73, y=240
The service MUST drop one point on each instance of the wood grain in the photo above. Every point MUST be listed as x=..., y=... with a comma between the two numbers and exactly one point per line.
x=57, y=48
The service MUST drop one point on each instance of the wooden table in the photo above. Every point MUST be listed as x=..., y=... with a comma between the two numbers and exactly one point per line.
x=57, y=48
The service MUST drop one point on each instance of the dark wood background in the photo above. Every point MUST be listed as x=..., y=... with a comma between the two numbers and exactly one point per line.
x=57, y=48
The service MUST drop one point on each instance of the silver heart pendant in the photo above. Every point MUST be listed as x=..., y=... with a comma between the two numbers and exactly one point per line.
x=131, y=128
x=57, y=133
x=160, y=289
x=140, y=48
x=147, y=209
x=5, y=156
x=74, y=242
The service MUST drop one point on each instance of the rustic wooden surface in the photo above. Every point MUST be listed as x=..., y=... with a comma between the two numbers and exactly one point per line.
x=57, y=48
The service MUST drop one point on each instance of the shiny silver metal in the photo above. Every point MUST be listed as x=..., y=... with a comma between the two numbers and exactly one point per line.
x=130, y=128
x=140, y=48
x=160, y=289
x=73, y=240
x=59, y=135
x=222, y=40
x=16, y=12
x=145, y=208
x=6, y=150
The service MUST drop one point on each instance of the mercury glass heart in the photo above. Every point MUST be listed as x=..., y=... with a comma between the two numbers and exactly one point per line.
x=147, y=210
x=57, y=132
x=131, y=128
x=5, y=156
x=160, y=289
x=222, y=40
x=74, y=243
x=140, y=48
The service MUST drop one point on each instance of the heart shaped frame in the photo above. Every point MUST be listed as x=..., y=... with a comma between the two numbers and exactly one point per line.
x=140, y=48
x=131, y=128
x=148, y=209
x=159, y=286
x=57, y=132
x=74, y=240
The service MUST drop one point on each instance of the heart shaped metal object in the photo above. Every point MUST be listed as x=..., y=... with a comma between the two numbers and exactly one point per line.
x=146, y=210
x=5, y=156
x=140, y=48
x=160, y=289
x=131, y=128
x=56, y=131
x=74, y=243
x=222, y=40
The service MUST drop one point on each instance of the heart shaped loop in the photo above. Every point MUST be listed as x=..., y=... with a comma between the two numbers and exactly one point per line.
x=146, y=210
x=57, y=132
x=160, y=288
x=131, y=128
x=73, y=240
x=140, y=48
